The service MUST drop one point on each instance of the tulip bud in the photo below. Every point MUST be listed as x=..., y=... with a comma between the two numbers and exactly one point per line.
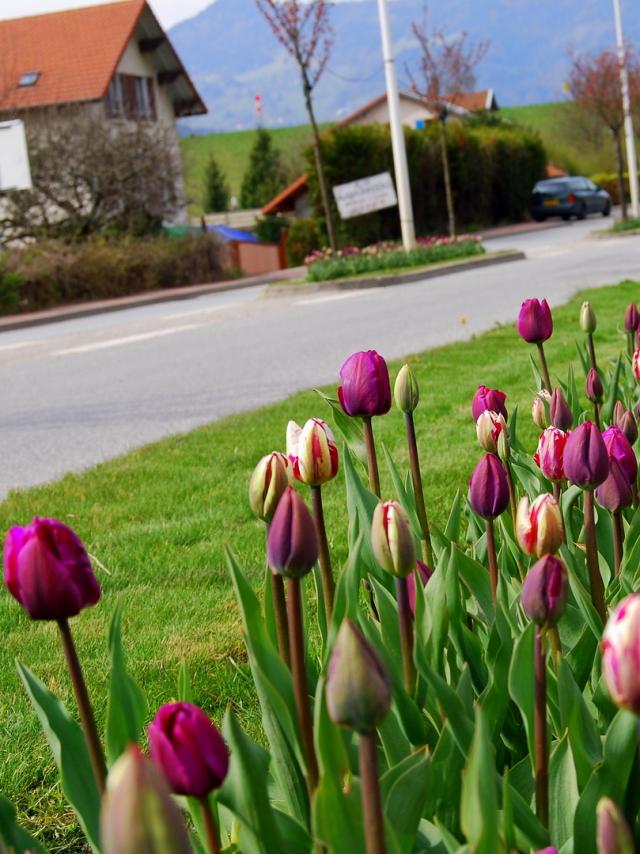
x=587, y=319
x=539, y=526
x=550, y=849
x=535, y=323
x=489, y=489
x=489, y=426
x=635, y=364
x=620, y=651
x=421, y=572
x=365, y=389
x=292, y=544
x=488, y=398
x=392, y=539
x=503, y=448
x=188, y=749
x=613, y=835
x=561, y=415
x=358, y=683
x=545, y=591
x=269, y=480
x=616, y=491
x=138, y=812
x=406, y=391
x=586, y=461
x=313, y=452
x=626, y=421
x=540, y=409
x=550, y=454
x=631, y=318
x=593, y=386
x=619, y=448
x=48, y=571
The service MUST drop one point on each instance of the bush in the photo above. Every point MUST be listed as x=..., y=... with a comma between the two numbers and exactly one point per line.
x=303, y=238
x=269, y=228
x=50, y=273
x=216, y=188
x=493, y=169
x=265, y=175
x=609, y=182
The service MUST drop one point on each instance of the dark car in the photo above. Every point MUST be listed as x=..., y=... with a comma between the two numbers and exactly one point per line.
x=567, y=197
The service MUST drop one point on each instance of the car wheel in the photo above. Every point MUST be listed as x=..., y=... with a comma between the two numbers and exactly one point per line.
x=581, y=213
x=566, y=217
x=539, y=217
x=607, y=209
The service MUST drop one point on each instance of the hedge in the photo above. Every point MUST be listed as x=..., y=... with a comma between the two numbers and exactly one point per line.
x=493, y=170
x=609, y=182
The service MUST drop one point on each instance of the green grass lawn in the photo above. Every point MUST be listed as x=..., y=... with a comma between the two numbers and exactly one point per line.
x=158, y=519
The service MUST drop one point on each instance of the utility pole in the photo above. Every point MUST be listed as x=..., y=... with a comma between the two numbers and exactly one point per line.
x=397, y=134
x=632, y=161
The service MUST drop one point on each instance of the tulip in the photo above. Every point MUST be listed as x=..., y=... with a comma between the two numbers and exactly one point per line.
x=138, y=812
x=593, y=386
x=550, y=849
x=539, y=526
x=365, y=389
x=188, y=749
x=269, y=480
x=550, y=454
x=421, y=572
x=405, y=390
x=561, y=415
x=626, y=421
x=488, y=398
x=313, y=452
x=616, y=492
x=613, y=833
x=489, y=426
x=489, y=490
x=621, y=654
x=619, y=448
x=540, y=409
x=586, y=461
x=358, y=683
x=47, y=569
x=392, y=539
x=635, y=364
x=631, y=318
x=535, y=323
x=545, y=591
x=587, y=319
x=292, y=544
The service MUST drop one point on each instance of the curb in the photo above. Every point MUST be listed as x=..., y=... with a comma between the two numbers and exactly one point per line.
x=605, y=234
x=431, y=272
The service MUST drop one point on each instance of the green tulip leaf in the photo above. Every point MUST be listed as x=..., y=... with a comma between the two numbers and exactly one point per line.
x=14, y=837
x=479, y=804
x=563, y=792
x=578, y=720
x=612, y=392
x=404, y=792
x=521, y=682
x=126, y=706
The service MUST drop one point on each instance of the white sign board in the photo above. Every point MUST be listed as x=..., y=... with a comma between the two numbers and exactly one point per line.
x=15, y=173
x=366, y=195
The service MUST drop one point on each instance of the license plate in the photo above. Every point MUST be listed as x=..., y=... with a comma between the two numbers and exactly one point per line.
x=551, y=203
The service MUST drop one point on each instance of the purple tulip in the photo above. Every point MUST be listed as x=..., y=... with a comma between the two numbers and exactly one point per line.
x=488, y=399
x=613, y=833
x=621, y=654
x=292, y=544
x=626, y=421
x=48, y=571
x=489, y=489
x=188, y=749
x=616, y=491
x=593, y=386
x=619, y=448
x=586, y=461
x=631, y=318
x=550, y=849
x=561, y=415
x=424, y=573
x=545, y=591
x=535, y=323
x=365, y=389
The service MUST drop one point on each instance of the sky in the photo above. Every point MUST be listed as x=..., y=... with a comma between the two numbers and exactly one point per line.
x=168, y=12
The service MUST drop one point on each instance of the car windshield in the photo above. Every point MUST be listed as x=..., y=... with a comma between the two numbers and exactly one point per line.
x=555, y=187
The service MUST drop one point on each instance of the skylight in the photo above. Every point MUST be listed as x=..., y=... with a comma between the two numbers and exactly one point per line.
x=29, y=78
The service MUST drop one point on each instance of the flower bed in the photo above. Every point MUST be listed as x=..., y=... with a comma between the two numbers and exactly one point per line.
x=325, y=265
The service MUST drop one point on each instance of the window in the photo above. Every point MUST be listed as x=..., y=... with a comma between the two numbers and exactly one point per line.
x=29, y=78
x=131, y=97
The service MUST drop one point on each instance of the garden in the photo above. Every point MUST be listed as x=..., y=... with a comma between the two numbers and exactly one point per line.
x=435, y=577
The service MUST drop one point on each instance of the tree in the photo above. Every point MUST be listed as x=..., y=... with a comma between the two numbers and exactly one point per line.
x=92, y=176
x=303, y=29
x=446, y=69
x=265, y=175
x=594, y=83
x=216, y=188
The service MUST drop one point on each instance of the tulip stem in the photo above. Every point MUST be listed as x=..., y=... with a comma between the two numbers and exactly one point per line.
x=328, y=584
x=512, y=494
x=372, y=459
x=543, y=367
x=596, y=414
x=87, y=719
x=556, y=644
x=557, y=494
x=630, y=337
x=416, y=478
x=406, y=634
x=370, y=794
x=618, y=540
x=280, y=613
x=592, y=351
x=210, y=828
x=493, y=560
x=301, y=690
x=540, y=728
x=595, y=579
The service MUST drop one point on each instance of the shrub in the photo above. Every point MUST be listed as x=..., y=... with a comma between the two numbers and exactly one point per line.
x=303, y=238
x=216, y=188
x=609, y=182
x=269, y=228
x=265, y=175
x=10, y=284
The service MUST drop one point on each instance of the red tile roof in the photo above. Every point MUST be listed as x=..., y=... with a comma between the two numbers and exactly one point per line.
x=285, y=200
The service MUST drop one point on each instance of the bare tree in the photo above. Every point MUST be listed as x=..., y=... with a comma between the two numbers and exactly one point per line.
x=446, y=69
x=304, y=30
x=91, y=176
x=594, y=83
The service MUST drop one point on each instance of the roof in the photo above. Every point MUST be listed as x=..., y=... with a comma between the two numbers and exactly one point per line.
x=473, y=101
x=373, y=104
x=285, y=199
x=76, y=53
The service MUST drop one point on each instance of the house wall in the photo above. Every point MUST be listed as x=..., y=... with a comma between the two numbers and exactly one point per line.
x=410, y=113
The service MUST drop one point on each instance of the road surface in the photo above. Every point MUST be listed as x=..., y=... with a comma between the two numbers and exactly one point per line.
x=82, y=391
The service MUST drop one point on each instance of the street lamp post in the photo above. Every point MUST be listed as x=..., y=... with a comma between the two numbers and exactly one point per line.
x=632, y=162
x=397, y=134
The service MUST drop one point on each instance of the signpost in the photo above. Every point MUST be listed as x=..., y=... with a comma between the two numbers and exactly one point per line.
x=366, y=195
x=15, y=173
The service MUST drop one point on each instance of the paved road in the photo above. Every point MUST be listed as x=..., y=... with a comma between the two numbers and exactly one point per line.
x=82, y=391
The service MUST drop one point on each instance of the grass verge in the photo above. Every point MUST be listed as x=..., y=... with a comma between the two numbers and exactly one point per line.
x=624, y=225
x=158, y=520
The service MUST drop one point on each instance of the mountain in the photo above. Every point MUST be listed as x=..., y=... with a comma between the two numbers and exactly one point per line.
x=232, y=55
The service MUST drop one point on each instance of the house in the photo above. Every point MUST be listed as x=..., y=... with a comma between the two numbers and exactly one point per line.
x=294, y=199
x=112, y=59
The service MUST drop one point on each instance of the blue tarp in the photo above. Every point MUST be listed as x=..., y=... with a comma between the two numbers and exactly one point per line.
x=227, y=233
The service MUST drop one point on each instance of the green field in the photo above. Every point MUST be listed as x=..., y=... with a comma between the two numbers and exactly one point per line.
x=158, y=520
